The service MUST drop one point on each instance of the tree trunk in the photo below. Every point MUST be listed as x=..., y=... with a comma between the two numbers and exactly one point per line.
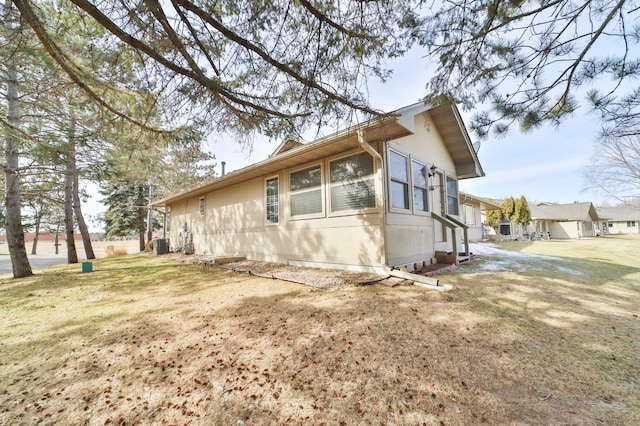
x=84, y=230
x=15, y=233
x=150, y=214
x=36, y=234
x=141, y=202
x=56, y=240
x=77, y=209
x=72, y=254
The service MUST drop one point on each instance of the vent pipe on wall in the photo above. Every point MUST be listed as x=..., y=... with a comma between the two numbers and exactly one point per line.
x=223, y=164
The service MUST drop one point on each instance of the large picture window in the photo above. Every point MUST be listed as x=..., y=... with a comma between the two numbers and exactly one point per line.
x=272, y=201
x=351, y=180
x=306, y=191
x=420, y=187
x=452, y=196
x=399, y=181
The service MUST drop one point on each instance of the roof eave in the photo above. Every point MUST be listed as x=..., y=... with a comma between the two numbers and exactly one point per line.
x=384, y=128
x=456, y=137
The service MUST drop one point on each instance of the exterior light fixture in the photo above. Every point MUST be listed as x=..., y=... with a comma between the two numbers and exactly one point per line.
x=433, y=169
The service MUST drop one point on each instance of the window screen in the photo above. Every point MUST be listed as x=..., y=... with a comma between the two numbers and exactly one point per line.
x=352, y=186
x=452, y=196
x=272, y=200
x=201, y=206
x=399, y=180
x=420, y=188
x=306, y=191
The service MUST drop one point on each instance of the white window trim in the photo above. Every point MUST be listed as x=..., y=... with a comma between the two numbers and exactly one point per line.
x=202, y=206
x=429, y=203
x=390, y=180
x=446, y=194
x=266, y=222
x=329, y=186
x=320, y=215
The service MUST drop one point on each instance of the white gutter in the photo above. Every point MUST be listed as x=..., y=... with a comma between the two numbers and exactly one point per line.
x=383, y=223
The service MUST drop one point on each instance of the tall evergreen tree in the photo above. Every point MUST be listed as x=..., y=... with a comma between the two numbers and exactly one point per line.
x=522, y=213
x=126, y=210
x=275, y=66
x=493, y=217
x=509, y=209
x=11, y=34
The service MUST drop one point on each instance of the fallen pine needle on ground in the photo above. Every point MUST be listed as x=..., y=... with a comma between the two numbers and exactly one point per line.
x=147, y=340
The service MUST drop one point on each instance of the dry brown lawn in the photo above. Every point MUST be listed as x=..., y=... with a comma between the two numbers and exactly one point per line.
x=144, y=340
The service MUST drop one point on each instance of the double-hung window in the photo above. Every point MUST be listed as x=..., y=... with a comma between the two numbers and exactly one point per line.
x=351, y=181
x=201, y=206
x=306, y=191
x=420, y=186
x=399, y=178
x=452, y=196
x=272, y=201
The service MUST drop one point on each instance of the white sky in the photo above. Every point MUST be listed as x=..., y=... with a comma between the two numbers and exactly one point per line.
x=544, y=165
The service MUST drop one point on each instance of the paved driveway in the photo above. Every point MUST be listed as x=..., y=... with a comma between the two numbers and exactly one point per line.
x=46, y=256
x=39, y=261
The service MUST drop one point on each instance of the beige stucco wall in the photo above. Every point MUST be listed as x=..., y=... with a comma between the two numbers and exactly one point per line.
x=234, y=219
x=472, y=211
x=622, y=228
x=235, y=224
x=572, y=229
x=564, y=229
x=413, y=237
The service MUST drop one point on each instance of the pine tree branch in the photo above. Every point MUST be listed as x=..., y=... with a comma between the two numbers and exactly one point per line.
x=64, y=62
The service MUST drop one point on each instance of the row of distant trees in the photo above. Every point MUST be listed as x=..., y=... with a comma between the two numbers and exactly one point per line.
x=515, y=211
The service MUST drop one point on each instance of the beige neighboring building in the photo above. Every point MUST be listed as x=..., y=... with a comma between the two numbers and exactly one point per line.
x=377, y=195
x=472, y=214
x=575, y=220
x=620, y=219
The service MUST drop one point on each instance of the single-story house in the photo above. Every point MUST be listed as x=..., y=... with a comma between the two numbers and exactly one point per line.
x=620, y=219
x=472, y=214
x=380, y=194
x=574, y=220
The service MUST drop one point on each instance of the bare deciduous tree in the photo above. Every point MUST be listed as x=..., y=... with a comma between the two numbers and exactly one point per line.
x=615, y=168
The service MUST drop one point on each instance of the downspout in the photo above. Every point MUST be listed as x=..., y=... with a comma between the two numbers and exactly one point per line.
x=383, y=224
x=427, y=282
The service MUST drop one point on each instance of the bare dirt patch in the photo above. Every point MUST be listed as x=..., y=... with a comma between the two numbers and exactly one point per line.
x=328, y=279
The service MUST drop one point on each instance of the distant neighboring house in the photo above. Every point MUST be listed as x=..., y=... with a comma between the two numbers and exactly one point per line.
x=620, y=220
x=472, y=214
x=377, y=195
x=575, y=220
